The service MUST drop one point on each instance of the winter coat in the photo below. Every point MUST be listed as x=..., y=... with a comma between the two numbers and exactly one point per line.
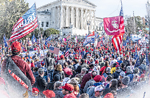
x=88, y=84
x=90, y=91
x=130, y=75
x=23, y=66
x=58, y=94
x=49, y=63
x=58, y=76
x=40, y=83
x=124, y=92
x=102, y=70
x=78, y=70
x=84, y=65
x=85, y=78
x=50, y=86
x=116, y=74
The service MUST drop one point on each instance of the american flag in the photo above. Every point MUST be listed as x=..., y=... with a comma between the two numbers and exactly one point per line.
x=67, y=53
x=25, y=25
x=117, y=39
x=54, y=50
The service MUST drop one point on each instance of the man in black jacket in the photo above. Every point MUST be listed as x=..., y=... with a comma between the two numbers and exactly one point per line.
x=40, y=81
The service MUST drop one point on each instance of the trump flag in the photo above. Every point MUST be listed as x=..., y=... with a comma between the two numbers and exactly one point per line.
x=25, y=25
x=89, y=39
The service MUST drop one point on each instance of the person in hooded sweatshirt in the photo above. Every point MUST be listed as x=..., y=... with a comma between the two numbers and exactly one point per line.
x=112, y=87
x=57, y=89
x=129, y=73
x=90, y=82
x=108, y=72
x=125, y=91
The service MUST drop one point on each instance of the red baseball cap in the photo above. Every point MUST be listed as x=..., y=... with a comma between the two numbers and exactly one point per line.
x=109, y=95
x=62, y=57
x=97, y=78
x=16, y=46
x=35, y=90
x=68, y=71
x=68, y=87
x=69, y=96
x=49, y=93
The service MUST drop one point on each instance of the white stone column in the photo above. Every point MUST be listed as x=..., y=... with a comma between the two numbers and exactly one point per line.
x=58, y=15
x=72, y=16
x=94, y=20
x=90, y=19
x=61, y=18
x=67, y=16
x=85, y=17
x=77, y=18
x=81, y=18
x=54, y=11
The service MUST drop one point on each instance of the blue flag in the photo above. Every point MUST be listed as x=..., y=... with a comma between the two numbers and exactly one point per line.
x=135, y=55
x=138, y=63
x=33, y=39
x=89, y=39
x=48, y=39
x=5, y=42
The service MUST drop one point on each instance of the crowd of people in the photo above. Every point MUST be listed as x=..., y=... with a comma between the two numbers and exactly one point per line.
x=83, y=72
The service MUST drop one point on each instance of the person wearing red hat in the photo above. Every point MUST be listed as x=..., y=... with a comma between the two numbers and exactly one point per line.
x=90, y=82
x=109, y=95
x=68, y=91
x=68, y=73
x=35, y=92
x=49, y=94
x=22, y=66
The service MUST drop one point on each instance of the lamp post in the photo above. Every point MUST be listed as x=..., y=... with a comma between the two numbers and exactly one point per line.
x=88, y=23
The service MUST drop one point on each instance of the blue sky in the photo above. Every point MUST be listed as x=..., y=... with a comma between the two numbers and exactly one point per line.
x=109, y=8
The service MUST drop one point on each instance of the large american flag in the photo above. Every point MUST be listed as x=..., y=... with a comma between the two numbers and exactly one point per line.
x=25, y=25
x=117, y=40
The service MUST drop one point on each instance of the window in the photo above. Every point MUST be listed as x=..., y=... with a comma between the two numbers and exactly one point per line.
x=47, y=23
x=42, y=24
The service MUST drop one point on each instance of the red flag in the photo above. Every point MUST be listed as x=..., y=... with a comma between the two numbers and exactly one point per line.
x=112, y=25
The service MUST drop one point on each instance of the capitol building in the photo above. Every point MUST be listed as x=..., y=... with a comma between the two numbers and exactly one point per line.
x=76, y=17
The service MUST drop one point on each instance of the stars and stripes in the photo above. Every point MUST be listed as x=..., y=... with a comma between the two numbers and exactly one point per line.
x=25, y=25
x=117, y=41
x=67, y=53
x=121, y=20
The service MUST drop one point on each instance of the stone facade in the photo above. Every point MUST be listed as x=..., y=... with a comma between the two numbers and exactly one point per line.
x=68, y=16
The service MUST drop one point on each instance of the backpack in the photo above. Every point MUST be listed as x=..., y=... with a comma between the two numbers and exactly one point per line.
x=14, y=76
